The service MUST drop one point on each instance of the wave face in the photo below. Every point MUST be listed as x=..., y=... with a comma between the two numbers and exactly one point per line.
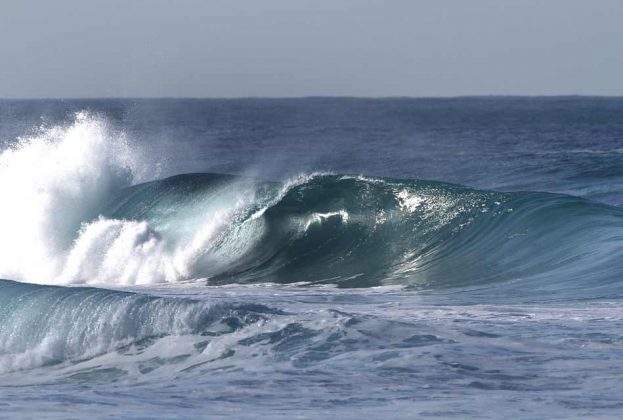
x=70, y=215
x=361, y=232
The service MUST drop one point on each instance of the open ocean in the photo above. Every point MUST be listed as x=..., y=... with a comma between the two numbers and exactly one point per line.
x=307, y=258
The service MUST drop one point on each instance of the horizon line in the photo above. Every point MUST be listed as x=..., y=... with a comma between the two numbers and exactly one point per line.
x=233, y=98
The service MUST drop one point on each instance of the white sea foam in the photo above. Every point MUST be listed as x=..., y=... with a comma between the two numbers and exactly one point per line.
x=50, y=183
x=53, y=186
x=321, y=217
x=408, y=202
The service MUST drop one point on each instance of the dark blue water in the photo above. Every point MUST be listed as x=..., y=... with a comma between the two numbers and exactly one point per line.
x=312, y=257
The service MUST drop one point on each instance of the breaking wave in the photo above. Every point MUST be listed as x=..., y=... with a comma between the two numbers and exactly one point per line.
x=74, y=212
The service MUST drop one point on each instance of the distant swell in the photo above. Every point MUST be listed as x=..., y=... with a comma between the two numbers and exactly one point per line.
x=69, y=215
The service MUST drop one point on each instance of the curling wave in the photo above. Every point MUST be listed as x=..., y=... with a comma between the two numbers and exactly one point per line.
x=359, y=232
x=71, y=215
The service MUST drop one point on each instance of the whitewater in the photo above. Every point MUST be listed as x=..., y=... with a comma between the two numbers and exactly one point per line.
x=312, y=257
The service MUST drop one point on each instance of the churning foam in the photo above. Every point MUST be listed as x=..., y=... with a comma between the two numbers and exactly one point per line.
x=53, y=186
x=49, y=184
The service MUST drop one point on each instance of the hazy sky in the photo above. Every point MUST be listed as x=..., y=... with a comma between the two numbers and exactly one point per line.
x=229, y=48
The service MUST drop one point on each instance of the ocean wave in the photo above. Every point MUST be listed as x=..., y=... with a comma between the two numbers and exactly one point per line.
x=47, y=325
x=73, y=213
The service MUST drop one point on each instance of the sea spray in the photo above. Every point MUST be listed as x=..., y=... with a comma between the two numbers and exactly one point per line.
x=50, y=184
